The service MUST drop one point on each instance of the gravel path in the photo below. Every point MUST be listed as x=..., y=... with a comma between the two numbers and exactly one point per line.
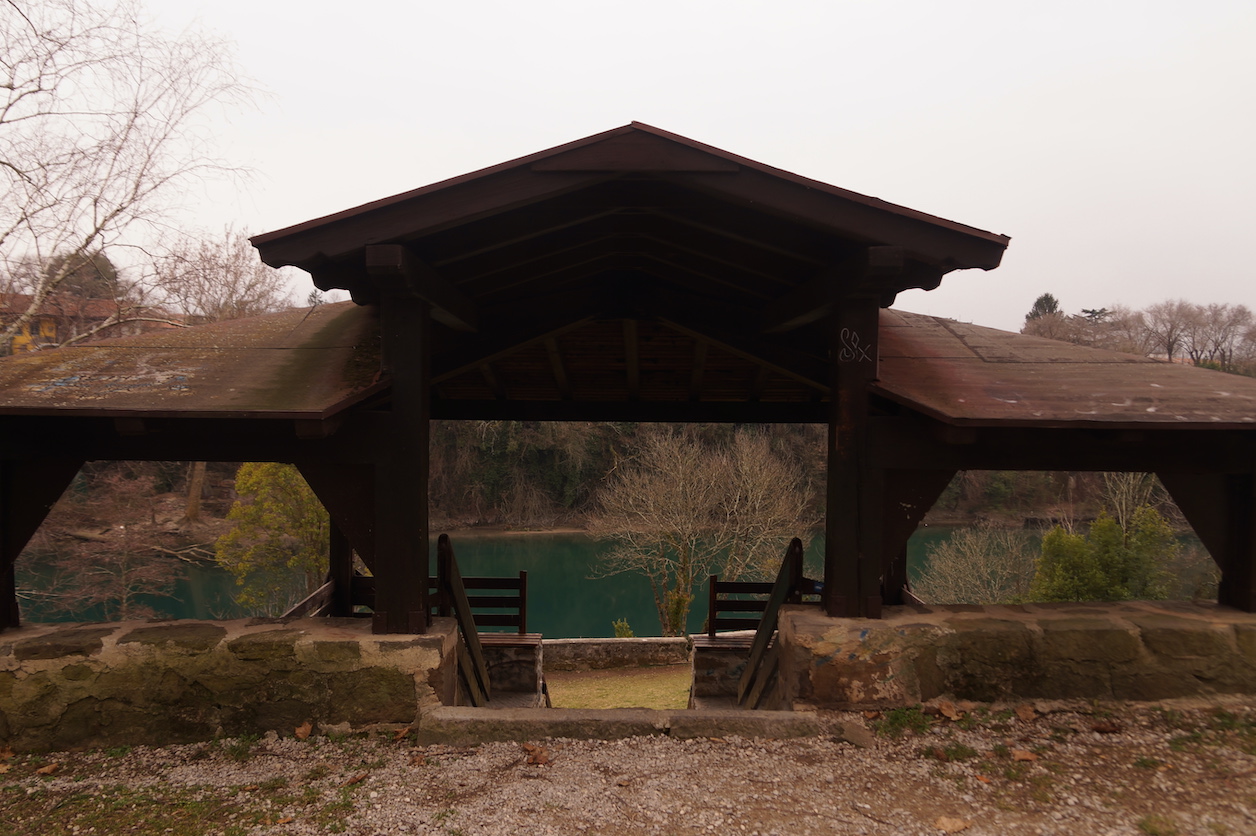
x=1039, y=767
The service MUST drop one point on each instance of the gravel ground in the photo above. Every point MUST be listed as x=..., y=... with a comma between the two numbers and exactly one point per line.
x=1039, y=767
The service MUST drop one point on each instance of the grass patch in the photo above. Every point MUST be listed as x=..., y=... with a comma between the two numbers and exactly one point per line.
x=899, y=720
x=659, y=687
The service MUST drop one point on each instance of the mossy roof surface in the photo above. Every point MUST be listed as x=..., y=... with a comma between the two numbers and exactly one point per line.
x=297, y=363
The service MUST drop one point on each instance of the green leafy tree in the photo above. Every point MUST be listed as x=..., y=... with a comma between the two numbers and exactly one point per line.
x=277, y=547
x=1044, y=305
x=1109, y=563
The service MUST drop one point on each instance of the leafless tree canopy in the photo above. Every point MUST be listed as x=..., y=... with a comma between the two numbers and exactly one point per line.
x=213, y=281
x=102, y=123
x=680, y=510
x=1219, y=335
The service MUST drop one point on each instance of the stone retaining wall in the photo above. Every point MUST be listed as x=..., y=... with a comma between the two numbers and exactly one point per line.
x=598, y=654
x=69, y=686
x=1131, y=650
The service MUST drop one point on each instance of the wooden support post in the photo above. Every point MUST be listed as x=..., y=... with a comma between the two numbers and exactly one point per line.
x=1221, y=507
x=401, y=470
x=28, y=490
x=852, y=530
x=1238, y=573
x=907, y=497
x=340, y=571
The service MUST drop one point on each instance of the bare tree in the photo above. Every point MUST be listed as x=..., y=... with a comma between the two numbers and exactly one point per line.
x=214, y=280
x=979, y=565
x=102, y=121
x=1168, y=324
x=679, y=510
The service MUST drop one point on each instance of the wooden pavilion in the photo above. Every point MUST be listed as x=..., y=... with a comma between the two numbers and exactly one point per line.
x=633, y=275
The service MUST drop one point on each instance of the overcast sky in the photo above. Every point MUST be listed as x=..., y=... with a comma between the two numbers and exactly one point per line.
x=1113, y=141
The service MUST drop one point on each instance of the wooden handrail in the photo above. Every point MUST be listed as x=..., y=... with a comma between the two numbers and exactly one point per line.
x=761, y=665
x=470, y=653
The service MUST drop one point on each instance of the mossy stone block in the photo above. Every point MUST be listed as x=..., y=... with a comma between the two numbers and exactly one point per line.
x=76, y=641
x=1182, y=638
x=1088, y=639
x=266, y=646
x=197, y=638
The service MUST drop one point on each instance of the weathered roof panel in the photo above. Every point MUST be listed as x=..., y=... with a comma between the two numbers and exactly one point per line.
x=968, y=374
x=305, y=363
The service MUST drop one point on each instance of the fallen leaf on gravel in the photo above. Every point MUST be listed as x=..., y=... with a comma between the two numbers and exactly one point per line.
x=250, y=788
x=1106, y=727
x=48, y=770
x=985, y=779
x=6, y=753
x=949, y=711
x=967, y=705
x=623, y=782
x=1026, y=712
x=356, y=779
x=303, y=731
x=401, y=734
x=717, y=740
x=951, y=825
x=1023, y=755
x=286, y=820
x=4, y=767
x=872, y=715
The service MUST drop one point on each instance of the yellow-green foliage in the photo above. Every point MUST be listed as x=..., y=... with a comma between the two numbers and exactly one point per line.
x=1110, y=563
x=277, y=547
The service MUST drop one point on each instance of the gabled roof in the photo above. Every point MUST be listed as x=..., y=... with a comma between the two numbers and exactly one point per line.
x=630, y=211
x=970, y=375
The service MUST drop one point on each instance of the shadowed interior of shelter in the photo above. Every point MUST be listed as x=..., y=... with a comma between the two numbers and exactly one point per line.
x=632, y=275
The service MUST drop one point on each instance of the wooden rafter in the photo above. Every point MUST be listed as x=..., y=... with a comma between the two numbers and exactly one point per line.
x=557, y=367
x=632, y=359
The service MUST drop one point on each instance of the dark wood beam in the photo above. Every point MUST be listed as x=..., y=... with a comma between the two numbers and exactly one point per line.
x=715, y=412
x=347, y=491
x=28, y=490
x=401, y=477
x=493, y=382
x=758, y=383
x=907, y=497
x=1220, y=508
x=775, y=356
x=397, y=265
x=816, y=299
x=502, y=342
x=853, y=526
x=632, y=359
x=557, y=368
x=421, y=212
x=948, y=244
x=698, y=370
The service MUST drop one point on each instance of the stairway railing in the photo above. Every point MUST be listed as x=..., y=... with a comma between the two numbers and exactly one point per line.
x=764, y=659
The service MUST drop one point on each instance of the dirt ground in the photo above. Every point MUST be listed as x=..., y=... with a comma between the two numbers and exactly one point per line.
x=1035, y=767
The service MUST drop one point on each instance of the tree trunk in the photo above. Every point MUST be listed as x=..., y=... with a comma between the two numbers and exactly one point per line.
x=196, y=486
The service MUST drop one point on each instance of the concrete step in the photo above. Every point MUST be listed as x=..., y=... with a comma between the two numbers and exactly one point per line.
x=461, y=725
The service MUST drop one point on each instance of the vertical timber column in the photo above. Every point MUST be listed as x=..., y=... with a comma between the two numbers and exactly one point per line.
x=1238, y=569
x=8, y=585
x=852, y=528
x=340, y=571
x=28, y=490
x=401, y=469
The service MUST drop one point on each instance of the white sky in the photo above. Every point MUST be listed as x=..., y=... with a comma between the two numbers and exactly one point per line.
x=1115, y=142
